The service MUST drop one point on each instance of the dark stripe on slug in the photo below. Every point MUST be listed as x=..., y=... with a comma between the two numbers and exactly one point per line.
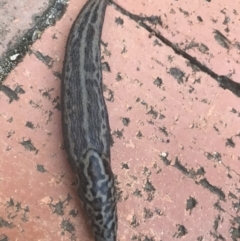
x=108, y=220
x=107, y=208
x=97, y=74
x=88, y=64
x=103, y=114
x=95, y=15
x=99, y=217
x=79, y=31
x=97, y=228
x=94, y=169
x=96, y=59
x=113, y=225
x=93, y=113
x=103, y=189
x=82, y=19
x=67, y=69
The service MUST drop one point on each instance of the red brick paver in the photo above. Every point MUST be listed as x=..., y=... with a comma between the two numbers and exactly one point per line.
x=175, y=130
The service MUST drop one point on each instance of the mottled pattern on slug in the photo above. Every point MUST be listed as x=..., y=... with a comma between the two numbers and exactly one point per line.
x=85, y=122
x=96, y=182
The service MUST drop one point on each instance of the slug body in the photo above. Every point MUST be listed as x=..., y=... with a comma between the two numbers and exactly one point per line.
x=85, y=122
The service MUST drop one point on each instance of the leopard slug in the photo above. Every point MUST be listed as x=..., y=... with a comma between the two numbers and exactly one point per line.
x=86, y=130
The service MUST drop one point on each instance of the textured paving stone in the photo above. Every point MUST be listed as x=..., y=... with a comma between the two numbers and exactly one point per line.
x=175, y=129
x=16, y=18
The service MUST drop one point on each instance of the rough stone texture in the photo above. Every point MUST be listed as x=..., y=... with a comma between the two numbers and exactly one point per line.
x=16, y=17
x=175, y=130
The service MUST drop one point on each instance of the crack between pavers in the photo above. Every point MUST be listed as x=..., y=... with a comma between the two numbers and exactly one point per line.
x=223, y=81
x=15, y=55
x=197, y=176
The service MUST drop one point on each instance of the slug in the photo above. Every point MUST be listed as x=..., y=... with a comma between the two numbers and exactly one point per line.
x=85, y=123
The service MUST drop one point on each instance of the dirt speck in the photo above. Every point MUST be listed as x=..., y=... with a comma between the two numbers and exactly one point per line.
x=66, y=225
x=177, y=74
x=191, y=204
x=40, y=168
x=182, y=231
x=29, y=146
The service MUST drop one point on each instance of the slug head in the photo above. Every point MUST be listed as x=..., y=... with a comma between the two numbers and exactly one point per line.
x=97, y=193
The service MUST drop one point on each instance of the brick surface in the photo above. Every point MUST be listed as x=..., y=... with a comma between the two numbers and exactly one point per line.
x=175, y=130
